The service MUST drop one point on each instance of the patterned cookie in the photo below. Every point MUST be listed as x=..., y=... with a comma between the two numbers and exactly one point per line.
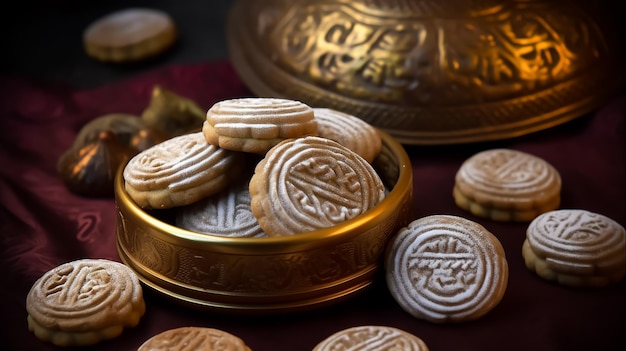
x=372, y=337
x=444, y=268
x=311, y=183
x=507, y=185
x=256, y=124
x=576, y=248
x=226, y=214
x=180, y=171
x=84, y=302
x=129, y=35
x=194, y=339
x=349, y=131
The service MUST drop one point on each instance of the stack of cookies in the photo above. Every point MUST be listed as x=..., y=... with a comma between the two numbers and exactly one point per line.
x=312, y=170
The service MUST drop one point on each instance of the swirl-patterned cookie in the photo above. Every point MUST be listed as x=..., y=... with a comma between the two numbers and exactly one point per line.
x=84, y=302
x=226, y=214
x=194, y=339
x=256, y=124
x=372, y=337
x=507, y=185
x=180, y=171
x=349, y=131
x=311, y=183
x=576, y=248
x=444, y=268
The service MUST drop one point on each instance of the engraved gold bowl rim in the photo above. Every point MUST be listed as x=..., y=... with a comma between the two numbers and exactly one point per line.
x=398, y=199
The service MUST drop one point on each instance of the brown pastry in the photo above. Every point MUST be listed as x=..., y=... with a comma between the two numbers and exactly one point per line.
x=311, y=183
x=507, y=185
x=129, y=35
x=83, y=302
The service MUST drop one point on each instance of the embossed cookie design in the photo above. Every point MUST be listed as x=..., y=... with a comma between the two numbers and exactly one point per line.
x=84, y=302
x=576, y=248
x=311, y=183
x=507, y=185
x=226, y=214
x=349, y=131
x=256, y=124
x=445, y=268
x=180, y=171
x=372, y=337
x=194, y=339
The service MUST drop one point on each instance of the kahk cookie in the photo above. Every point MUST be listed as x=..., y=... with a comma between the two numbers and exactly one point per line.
x=444, y=268
x=180, y=171
x=311, y=183
x=576, y=248
x=84, y=302
x=194, y=338
x=129, y=35
x=349, y=131
x=507, y=185
x=256, y=124
x=226, y=214
x=372, y=337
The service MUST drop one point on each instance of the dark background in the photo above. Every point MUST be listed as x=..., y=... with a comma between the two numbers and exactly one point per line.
x=43, y=39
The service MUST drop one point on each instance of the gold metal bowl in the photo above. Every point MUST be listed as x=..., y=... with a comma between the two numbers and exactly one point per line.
x=430, y=71
x=265, y=274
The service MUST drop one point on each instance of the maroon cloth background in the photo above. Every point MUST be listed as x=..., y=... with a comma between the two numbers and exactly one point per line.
x=43, y=225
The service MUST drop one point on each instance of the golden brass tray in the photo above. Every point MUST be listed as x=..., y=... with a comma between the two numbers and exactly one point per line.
x=430, y=72
x=265, y=275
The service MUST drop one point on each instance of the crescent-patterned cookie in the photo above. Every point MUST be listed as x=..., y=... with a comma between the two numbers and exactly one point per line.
x=194, y=338
x=84, y=302
x=372, y=337
x=226, y=214
x=576, y=248
x=443, y=268
x=349, y=131
x=180, y=171
x=311, y=183
x=256, y=124
x=507, y=185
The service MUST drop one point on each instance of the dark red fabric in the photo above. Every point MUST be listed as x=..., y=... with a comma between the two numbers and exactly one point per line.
x=43, y=225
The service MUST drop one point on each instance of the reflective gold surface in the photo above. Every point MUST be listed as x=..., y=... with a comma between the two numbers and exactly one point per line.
x=430, y=72
x=266, y=275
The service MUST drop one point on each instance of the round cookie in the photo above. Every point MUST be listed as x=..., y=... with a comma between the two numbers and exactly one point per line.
x=311, y=183
x=372, y=337
x=256, y=124
x=194, y=338
x=576, y=248
x=83, y=302
x=443, y=268
x=129, y=35
x=349, y=131
x=507, y=185
x=226, y=214
x=180, y=171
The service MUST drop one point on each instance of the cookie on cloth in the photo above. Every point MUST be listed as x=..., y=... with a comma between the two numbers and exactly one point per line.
x=576, y=248
x=225, y=214
x=180, y=171
x=349, y=131
x=256, y=124
x=129, y=35
x=372, y=337
x=83, y=302
x=507, y=185
x=445, y=269
x=194, y=338
x=311, y=183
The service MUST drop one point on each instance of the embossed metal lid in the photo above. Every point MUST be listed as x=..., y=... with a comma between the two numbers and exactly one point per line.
x=430, y=72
